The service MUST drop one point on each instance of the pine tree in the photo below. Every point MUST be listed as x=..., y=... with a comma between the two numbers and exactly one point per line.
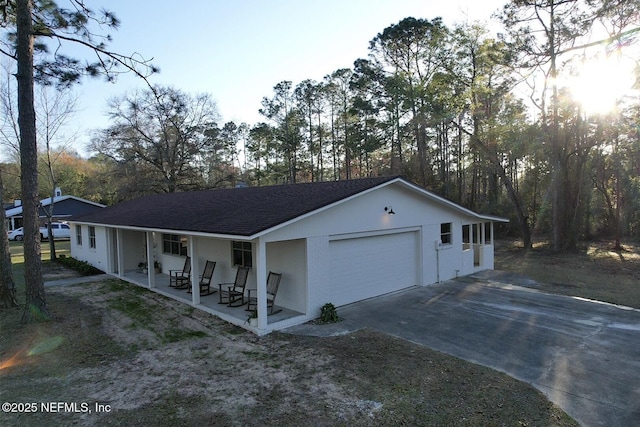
x=28, y=25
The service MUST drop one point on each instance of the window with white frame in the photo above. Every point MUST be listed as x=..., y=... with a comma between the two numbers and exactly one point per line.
x=445, y=233
x=92, y=237
x=79, y=235
x=466, y=235
x=241, y=254
x=174, y=244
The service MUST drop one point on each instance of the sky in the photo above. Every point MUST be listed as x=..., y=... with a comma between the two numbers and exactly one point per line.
x=238, y=50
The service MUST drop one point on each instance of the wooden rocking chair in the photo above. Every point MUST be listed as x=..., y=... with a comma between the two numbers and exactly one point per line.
x=205, y=279
x=273, y=283
x=181, y=279
x=232, y=294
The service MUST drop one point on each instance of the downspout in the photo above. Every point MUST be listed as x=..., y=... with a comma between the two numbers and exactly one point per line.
x=438, y=244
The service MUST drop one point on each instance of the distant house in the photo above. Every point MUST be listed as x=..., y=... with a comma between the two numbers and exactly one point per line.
x=334, y=242
x=64, y=207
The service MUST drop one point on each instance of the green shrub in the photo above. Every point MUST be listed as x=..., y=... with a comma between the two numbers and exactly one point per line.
x=328, y=313
x=81, y=267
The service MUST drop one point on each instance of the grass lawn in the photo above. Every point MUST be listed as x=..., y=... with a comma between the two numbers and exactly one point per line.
x=594, y=272
x=152, y=361
x=63, y=247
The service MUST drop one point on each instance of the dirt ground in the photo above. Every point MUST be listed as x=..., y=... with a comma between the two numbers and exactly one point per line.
x=596, y=271
x=117, y=354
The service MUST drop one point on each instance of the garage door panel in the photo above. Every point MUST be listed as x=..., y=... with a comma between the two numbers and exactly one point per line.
x=365, y=267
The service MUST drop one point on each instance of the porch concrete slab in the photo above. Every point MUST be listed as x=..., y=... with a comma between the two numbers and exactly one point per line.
x=583, y=355
x=209, y=303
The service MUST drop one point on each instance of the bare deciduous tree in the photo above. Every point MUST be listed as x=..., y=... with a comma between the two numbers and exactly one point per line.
x=48, y=21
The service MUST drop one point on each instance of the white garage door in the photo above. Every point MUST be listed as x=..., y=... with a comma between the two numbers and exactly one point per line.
x=366, y=267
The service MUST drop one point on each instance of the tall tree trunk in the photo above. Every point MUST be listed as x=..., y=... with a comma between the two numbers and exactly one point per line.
x=310, y=117
x=521, y=216
x=347, y=149
x=51, y=207
x=396, y=143
x=558, y=159
x=35, y=305
x=514, y=196
x=616, y=158
x=7, y=284
x=421, y=145
x=460, y=170
x=334, y=147
x=320, y=150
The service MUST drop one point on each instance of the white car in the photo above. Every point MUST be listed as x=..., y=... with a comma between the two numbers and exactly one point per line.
x=61, y=230
x=17, y=234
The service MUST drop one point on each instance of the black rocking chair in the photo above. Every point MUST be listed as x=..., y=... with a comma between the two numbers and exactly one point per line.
x=180, y=279
x=232, y=294
x=205, y=279
x=273, y=283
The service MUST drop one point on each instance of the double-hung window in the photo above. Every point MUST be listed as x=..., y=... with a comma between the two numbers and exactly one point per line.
x=92, y=237
x=174, y=244
x=445, y=233
x=241, y=254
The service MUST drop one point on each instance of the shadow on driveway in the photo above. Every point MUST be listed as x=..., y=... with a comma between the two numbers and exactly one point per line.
x=583, y=355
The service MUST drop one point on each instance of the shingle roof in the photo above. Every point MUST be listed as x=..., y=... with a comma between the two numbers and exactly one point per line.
x=17, y=210
x=237, y=211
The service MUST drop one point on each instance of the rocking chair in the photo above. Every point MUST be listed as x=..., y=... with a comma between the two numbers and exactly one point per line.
x=273, y=283
x=205, y=279
x=232, y=294
x=180, y=279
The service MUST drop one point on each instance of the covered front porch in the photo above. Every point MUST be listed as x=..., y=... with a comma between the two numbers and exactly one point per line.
x=210, y=303
x=133, y=253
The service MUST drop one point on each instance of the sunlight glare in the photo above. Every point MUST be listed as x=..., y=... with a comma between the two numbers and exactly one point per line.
x=602, y=83
x=14, y=360
x=23, y=356
x=46, y=346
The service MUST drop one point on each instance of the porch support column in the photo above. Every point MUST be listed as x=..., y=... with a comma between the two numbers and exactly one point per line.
x=483, y=237
x=261, y=278
x=119, y=252
x=491, y=232
x=151, y=273
x=195, y=282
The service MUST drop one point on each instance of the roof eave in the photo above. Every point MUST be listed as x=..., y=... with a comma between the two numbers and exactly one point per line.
x=169, y=231
x=46, y=202
x=57, y=199
x=449, y=203
x=271, y=229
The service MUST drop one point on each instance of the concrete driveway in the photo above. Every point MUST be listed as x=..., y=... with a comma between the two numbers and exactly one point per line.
x=583, y=355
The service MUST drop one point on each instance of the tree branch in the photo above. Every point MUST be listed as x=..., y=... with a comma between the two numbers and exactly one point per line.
x=129, y=62
x=603, y=41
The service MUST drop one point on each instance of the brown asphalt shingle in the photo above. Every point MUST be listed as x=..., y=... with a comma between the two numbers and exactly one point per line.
x=237, y=211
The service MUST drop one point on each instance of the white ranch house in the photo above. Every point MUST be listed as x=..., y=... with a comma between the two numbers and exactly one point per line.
x=337, y=242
